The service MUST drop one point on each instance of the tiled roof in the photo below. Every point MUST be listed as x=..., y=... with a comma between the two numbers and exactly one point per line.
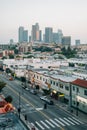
x=80, y=82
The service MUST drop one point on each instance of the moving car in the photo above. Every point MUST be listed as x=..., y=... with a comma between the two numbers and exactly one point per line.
x=48, y=101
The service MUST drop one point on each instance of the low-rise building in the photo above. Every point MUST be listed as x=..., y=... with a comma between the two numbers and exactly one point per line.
x=79, y=94
x=69, y=86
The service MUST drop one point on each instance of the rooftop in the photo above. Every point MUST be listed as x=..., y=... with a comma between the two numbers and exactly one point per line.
x=80, y=82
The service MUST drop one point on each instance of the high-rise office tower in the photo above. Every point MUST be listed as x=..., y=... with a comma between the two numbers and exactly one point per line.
x=20, y=34
x=48, y=35
x=25, y=36
x=35, y=33
x=66, y=40
x=77, y=42
x=55, y=37
x=60, y=35
x=40, y=35
x=30, y=39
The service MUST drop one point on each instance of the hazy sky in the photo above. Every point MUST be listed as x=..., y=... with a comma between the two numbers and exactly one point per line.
x=68, y=15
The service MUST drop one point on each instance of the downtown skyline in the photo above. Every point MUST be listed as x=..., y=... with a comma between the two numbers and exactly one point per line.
x=69, y=16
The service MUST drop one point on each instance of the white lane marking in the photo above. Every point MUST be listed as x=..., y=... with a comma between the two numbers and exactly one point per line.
x=35, y=126
x=54, y=123
x=45, y=125
x=69, y=121
x=38, y=109
x=39, y=125
x=78, y=120
x=73, y=121
x=64, y=121
x=59, y=122
x=50, y=124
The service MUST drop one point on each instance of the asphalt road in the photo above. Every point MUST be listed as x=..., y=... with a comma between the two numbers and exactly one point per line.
x=52, y=118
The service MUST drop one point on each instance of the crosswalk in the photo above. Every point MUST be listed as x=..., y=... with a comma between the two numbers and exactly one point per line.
x=56, y=122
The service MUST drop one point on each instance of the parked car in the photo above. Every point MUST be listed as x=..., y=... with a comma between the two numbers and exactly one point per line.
x=27, y=88
x=11, y=78
x=48, y=101
x=33, y=91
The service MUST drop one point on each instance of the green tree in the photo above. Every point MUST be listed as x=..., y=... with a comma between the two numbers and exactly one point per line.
x=44, y=49
x=46, y=92
x=4, y=57
x=8, y=70
x=69, y=53
x=16, y=51
x=23, y=79
x=8, y=99
x=11, y=56
x=2, y=85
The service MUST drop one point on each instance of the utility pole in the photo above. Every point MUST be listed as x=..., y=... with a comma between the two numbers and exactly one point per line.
x=70, y=97
x=19, y=108
x=77, y=103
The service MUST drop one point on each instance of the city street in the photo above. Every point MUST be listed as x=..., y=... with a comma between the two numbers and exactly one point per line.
x=32, y=107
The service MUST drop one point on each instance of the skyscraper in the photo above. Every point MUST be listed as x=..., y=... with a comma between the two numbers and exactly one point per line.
x=40, y=35
x=77, y=42
x=20, y=34
x=60, y=35
x=35, y=33
x=48, y=35
x=66, y=40
x=25, y=36
x=55, y=37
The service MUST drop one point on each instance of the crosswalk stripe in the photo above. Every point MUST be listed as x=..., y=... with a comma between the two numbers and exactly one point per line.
x=50, y=124
x=35, y=126
x=39, y=125
x=54, y=123
x=29, y=126
x=45, y=125
x=69, y=121
x=64, y=121
x=59, y=122
x=73, y=121
x=77, y=120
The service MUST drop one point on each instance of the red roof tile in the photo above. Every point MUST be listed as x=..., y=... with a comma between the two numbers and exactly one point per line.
x=80, y=82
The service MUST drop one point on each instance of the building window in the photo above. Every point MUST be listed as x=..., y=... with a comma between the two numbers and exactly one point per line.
x=67, y=88
x=51, y=82
x=37, y=77
x=40, y=78
x=73, y=88
x=61, y=86
x=74, y=102
x=46, y=80
x=43, y=79
x=85, y=92
x=77, y=90
x=56, y=84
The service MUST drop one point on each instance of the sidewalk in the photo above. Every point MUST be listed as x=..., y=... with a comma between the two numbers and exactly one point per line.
x=78, y=114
